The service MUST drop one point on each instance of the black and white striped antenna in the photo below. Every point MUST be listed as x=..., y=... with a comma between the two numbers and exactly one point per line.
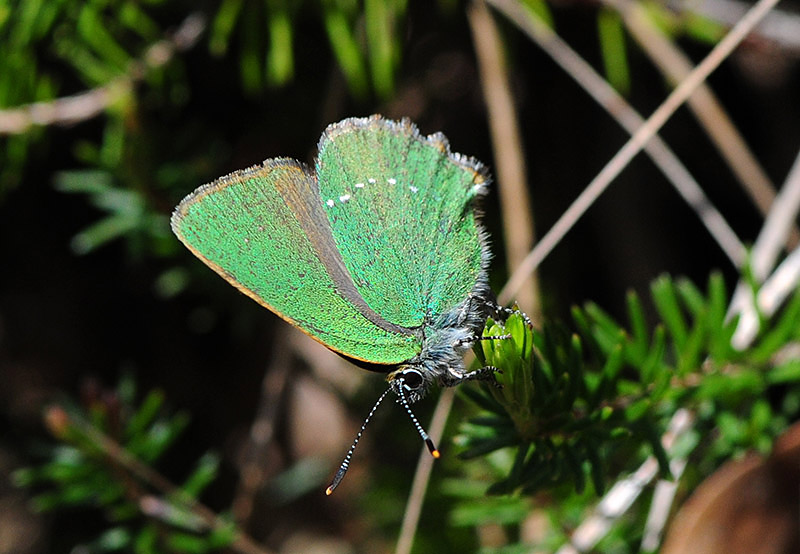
x=346, y=462
x=428, y=442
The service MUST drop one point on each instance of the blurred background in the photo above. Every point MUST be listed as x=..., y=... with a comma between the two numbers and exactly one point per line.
x=111, y=111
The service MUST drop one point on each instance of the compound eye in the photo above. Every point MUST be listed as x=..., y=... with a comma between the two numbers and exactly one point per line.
x=412, y=379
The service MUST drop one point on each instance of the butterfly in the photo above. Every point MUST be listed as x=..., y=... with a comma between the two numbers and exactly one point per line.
x=377, y=252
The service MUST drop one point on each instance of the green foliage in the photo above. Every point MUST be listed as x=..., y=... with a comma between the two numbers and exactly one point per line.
x=133, y=170
x=265, y=33
x=362, y=35
x=103, y=459
x=127, y=211
x=126, y=186
x=56, y=49
x=45, y=45
x=577, y=407
x=686, y=23
x=611, y=34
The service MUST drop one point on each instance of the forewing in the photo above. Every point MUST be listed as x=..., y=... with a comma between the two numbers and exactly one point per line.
x=262, y=230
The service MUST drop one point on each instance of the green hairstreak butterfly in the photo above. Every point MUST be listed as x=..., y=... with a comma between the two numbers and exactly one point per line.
x=377, y=253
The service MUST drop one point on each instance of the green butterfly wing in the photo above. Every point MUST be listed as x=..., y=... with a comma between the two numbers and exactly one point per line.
x=264, y=230
x=401, y=209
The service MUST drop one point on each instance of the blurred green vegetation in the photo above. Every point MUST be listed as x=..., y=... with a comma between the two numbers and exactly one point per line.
x=103, y=460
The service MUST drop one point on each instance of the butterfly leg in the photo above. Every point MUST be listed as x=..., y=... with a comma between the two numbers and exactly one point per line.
x=453, y=378
x=502, y=313
x=467, y=343
x=473, y=304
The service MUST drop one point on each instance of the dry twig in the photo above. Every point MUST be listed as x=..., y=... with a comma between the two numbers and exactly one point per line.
x=77, y=108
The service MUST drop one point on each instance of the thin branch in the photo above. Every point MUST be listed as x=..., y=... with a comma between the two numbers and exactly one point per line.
x=661, y=505
x=254, y=467
x=123, y=458
x=778, y=224
x=704, y=105
x=69, y=110
x=515, y=204
x=605, y=95
x=771, y=295
x=678, y=96
x=623, y=494
x=780, y=285
x=422, y=475
x=766, y=250
x=780, y=26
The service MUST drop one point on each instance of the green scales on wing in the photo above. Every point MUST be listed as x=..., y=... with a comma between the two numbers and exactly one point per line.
x=359, y=255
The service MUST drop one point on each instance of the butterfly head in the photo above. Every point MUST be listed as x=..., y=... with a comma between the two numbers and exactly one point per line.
x=410, y=382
